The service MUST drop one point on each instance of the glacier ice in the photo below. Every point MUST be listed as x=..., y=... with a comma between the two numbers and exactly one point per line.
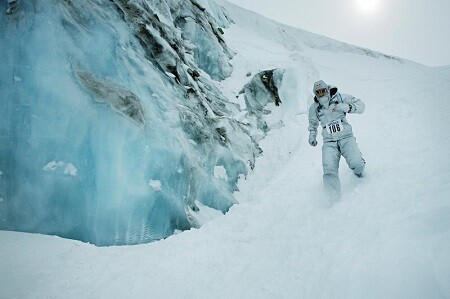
x=111, y=125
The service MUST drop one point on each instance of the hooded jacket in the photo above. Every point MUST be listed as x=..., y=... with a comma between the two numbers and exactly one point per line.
x=319, y=114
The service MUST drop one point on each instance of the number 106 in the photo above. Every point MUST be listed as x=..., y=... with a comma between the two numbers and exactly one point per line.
x=334, y=128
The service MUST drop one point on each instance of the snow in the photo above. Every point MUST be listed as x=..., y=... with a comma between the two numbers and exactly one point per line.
x=52, y=166
x=155, y=185
x=70, y=170
x=204, y=214
x=388, y=237
x=220, y=173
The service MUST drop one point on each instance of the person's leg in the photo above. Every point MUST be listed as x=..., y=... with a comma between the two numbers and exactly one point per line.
x=330, y=163
x=352, y=154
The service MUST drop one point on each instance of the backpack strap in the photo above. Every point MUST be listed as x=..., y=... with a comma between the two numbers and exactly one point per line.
x=342, y=101
x=338, y=98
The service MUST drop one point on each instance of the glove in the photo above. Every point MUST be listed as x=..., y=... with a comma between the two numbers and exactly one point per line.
x=342, y=107
x=312, y=140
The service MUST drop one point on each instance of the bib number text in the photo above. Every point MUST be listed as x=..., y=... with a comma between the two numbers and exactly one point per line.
x=335, y=127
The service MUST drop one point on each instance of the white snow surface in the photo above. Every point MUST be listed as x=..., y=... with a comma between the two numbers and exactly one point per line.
x=155, y=185
x=52, y=166
x=220, y=173
x=70, y=170
x=388, y=237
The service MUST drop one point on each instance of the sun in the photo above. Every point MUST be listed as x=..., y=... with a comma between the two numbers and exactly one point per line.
x=368, y=6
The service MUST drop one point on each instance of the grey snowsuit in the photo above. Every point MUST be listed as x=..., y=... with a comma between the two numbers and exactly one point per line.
x=337, y=136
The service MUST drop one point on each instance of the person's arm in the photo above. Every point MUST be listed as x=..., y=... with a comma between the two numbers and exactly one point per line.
x=313, y=124
x=355, y=105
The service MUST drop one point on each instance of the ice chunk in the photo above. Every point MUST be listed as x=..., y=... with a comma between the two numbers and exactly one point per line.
x=220, y=173
x=156, y=185
x=70, y=170
x=52, y=166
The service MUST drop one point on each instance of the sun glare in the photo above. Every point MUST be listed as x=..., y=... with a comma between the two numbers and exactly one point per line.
x=368, y=6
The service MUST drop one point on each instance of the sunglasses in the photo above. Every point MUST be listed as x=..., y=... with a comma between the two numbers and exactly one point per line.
x=321, y=92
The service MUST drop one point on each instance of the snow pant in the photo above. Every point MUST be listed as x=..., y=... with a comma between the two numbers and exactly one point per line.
x=331, y=155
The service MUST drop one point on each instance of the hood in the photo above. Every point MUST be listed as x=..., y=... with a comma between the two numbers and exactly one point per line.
x=333, y=91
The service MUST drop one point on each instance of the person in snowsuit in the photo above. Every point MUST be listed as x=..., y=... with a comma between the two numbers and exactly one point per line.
x=329, y=110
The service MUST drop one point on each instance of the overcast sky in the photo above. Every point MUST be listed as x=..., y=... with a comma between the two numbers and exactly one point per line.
x=417, y=30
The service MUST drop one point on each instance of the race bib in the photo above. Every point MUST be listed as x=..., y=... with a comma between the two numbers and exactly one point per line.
x=335, y=126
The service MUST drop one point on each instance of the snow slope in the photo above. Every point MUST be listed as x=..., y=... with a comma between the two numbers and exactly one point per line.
x=389, y=236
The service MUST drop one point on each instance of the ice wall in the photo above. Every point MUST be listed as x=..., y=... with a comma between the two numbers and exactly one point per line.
x=110, y=123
